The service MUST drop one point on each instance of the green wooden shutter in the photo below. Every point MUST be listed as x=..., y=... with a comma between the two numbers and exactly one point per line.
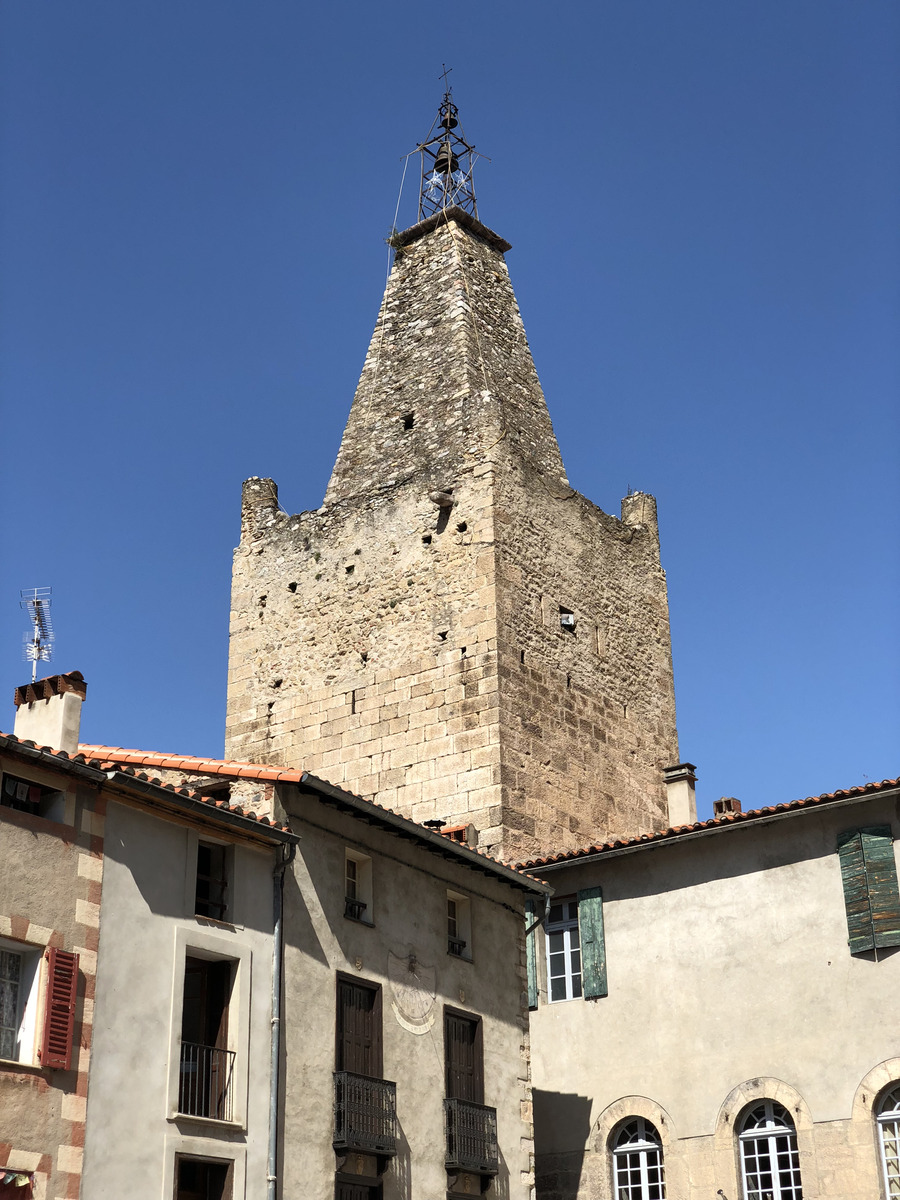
x=871, y=894
x=530, y=959
x=593, y=945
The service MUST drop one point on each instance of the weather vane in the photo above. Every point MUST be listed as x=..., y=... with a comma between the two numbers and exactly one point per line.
x=38, y=643
x=448, y=161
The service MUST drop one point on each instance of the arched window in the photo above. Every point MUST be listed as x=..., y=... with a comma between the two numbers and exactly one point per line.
x=888, y=1117
x=770, y=1161
x=637, y=1161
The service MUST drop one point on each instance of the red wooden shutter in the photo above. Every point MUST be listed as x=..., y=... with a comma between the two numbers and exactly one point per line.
x=59, y=1014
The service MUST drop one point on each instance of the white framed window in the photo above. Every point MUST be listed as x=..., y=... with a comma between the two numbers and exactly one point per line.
x=358, y=887
x=19, y=993
x=888, y=1118
x=563, y=950
x=770, y=1160
x=637, y=1161
x=459, y=926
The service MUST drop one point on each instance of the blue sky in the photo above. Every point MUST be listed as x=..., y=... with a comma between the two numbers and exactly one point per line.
x=703, y=204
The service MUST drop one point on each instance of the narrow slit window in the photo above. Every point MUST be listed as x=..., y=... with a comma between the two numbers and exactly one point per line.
x=409, y=420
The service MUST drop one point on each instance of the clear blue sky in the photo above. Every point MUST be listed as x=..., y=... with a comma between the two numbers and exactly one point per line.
x=703, y=202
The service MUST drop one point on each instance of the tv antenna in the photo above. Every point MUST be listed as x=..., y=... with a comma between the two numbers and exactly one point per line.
x=38, y=644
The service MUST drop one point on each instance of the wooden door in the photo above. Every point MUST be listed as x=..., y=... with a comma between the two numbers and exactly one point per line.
x=463, y=1057
x=358, y=1028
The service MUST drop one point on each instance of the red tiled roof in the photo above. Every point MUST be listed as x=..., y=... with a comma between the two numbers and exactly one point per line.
x=867, y=789
x=119, y=755
x=188, y=762
x=85, y=759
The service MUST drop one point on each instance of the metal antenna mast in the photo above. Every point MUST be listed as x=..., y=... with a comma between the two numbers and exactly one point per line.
x=448, y=161
x=38, y=644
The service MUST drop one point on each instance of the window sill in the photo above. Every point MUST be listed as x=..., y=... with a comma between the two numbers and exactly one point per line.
x=11, y=1064
x=466, y=958
x=211, y=1123
x=214, y=923
x=360, y=921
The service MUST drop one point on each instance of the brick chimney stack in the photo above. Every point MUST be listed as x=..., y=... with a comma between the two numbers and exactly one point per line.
x=48, y=711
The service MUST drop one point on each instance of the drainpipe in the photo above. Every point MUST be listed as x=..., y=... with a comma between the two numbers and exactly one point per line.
x=275, y=1063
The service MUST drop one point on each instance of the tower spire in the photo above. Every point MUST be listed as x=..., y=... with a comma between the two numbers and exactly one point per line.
x=448, y=162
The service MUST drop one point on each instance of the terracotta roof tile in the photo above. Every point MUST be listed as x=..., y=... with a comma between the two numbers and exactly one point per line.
x=867, y=789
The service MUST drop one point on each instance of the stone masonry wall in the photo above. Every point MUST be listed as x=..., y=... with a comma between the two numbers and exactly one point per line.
x=404, y=641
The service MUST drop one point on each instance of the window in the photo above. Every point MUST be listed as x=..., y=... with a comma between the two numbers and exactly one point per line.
x=202, y=1179
x=358, y=1027
x=20, y=982
x=576, y=947
x=18, y=1001
x=871, y=896
x=463, y=1057
x=770, y=1160
x=207, y=1064
x=26, y=796
x=358, y=887
x=211, y=894
x=888, y=1118
x=459, y=926
x=637, y=1161
x=563, y=951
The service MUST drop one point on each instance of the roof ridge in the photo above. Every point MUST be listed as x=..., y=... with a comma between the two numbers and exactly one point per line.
x=732, y=818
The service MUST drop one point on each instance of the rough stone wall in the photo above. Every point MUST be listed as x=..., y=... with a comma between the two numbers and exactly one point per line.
x=406, y=644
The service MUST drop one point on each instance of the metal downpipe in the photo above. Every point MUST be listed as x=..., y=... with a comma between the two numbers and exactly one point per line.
x=275, y=1060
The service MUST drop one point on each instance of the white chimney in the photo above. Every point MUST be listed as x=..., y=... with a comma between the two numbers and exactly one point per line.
x=680, y=794
x=48, y=711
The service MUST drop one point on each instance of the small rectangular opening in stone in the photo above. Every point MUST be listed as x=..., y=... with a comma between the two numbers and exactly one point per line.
x=349, y=569
x=567, y=619
x=427, y=539
x=409, y=420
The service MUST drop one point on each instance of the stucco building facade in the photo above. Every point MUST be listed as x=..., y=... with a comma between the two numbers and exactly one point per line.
x=733, y=1008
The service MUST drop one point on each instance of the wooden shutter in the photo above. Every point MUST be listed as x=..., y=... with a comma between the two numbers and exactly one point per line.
x=463, y=1058
x=871, y=894
x=530, y=959
x=358, y=1029
x=59, y=1009
x=593, y=945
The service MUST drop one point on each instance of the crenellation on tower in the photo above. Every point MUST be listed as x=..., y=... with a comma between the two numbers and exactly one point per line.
x=457, y=633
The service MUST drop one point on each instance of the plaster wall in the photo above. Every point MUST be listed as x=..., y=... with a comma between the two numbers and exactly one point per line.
x=729, y=979
x=148, y=928
x=404, y=952
x=49, y=896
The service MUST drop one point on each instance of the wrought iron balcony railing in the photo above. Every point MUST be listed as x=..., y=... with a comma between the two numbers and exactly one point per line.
x=471, y=1137
x=205, y=1088
x=365, y=1114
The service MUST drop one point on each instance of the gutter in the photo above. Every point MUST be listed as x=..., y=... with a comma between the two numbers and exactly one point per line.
x=275, y=1049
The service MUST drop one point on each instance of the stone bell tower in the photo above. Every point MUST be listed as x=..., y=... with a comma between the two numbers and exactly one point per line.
x=457, y=633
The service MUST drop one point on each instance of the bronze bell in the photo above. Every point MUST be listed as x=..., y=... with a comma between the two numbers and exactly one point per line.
x=446, y=160
x=448, y=118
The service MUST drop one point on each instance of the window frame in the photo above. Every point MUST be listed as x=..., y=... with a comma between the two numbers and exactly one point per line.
x=566, y=927
x=198, y=943
x=50, y=804
x=884, y=1117
x=458, y=916
x=30, y=1001
x=360, y=906
x=644, y=1148
x=226, y=904
x=775, y=1127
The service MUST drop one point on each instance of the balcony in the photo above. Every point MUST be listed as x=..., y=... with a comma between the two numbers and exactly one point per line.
x=471, y=1137
x=365, y=1114
x=205, y=1086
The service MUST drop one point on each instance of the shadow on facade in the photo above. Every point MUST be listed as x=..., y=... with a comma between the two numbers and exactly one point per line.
x=562, y=1125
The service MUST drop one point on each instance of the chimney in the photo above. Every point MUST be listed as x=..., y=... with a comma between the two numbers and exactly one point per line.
x=680, y=794
x=48, y=712
x=727, y=804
